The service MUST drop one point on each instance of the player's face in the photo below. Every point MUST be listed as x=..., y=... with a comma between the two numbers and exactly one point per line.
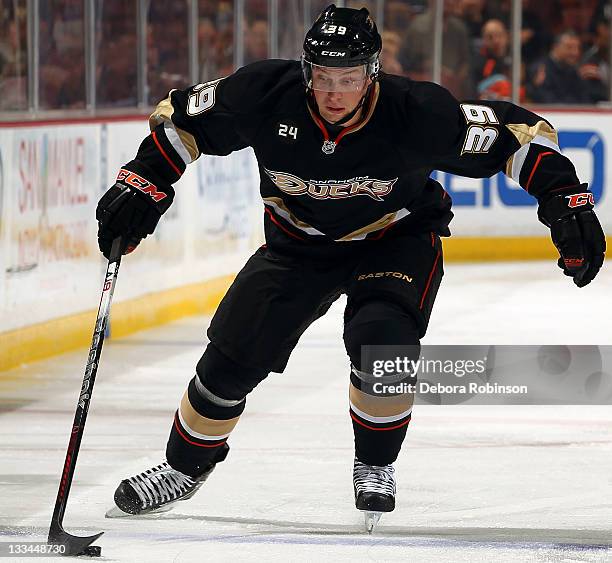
x=338, y=90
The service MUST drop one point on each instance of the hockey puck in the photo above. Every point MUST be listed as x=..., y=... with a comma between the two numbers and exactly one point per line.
x=92, y=551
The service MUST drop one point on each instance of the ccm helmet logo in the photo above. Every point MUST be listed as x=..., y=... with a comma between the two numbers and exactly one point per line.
x=578, y=200
x=333, y=53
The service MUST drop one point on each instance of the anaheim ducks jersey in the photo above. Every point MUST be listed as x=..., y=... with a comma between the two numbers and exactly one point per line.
x=325, y=183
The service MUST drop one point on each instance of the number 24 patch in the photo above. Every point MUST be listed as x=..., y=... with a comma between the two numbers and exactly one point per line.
x=287, y=131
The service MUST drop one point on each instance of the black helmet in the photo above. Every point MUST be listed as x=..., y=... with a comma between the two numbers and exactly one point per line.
x=343, y=37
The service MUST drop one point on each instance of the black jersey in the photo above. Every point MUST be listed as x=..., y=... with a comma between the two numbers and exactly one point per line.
x=321, y=183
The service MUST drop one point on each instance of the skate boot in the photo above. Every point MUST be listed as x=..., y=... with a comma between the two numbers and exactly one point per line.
x=374, y=487
x=157, y=489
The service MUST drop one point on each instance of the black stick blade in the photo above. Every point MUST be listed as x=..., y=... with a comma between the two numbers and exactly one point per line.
x=74, y=545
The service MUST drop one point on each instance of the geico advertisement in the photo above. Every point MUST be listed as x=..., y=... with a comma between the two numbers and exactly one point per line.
x=498, y=206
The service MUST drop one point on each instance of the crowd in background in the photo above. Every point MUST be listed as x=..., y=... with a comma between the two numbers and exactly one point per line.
x=564, y=47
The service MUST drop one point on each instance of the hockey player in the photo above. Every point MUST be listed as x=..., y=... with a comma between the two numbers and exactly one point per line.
x=345, y=154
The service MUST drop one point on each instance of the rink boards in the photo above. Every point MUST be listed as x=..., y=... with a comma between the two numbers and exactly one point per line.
x=52, y=174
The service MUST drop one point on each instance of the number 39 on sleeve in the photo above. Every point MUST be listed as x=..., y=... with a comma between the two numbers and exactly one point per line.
x=479, y=139
x=202, y=97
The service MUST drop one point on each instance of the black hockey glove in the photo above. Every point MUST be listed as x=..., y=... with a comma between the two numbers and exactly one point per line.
x=575, y=231
x=131, y=208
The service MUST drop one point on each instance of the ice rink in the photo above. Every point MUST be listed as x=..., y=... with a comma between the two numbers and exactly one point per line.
x=529, y=483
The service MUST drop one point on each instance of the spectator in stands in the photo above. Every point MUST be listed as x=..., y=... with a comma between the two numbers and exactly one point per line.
x=398, y=15
x=117, y=76
x=290, y=30
x=216, y=38
x=603, y=11
x=13, y=61
x=493, y=66
x=61, y=56
x=389, y=61
x=116, y=59
x=256, y=41
x=556, y=80
x=550, y=13
x=168, y=50
x=225, y=52
x=207, y=43
x=416, y=55
x=595, y=65
x=473, y=13
x=535, y=37
x=417, y=6
x=369, y=5
x=6, y=47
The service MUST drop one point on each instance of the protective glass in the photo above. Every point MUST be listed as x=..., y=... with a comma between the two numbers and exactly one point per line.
x=335, y=79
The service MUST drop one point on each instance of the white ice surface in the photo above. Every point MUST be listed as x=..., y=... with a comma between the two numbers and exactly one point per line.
x=484, y=483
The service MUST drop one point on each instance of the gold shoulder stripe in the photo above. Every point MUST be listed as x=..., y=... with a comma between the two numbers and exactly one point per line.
x=525, y=134
x=163, y=113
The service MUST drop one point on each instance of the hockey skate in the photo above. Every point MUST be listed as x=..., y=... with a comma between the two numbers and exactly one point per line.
x=156, y=490
x=374, y=487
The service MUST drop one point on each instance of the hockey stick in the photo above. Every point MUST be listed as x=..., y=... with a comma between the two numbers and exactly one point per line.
x=77, y=545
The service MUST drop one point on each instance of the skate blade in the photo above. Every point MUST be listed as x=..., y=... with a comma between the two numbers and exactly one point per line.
x=116, y=512
x=371, y=519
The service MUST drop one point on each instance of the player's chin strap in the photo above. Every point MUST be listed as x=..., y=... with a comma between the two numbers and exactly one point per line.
x=365, y=101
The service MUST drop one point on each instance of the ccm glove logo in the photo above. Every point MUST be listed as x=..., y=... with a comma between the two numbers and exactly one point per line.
x=578, y=200
x=138, y=182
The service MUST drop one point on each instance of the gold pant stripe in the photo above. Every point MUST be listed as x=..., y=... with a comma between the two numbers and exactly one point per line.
x=205, y=426
x=378, y=405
